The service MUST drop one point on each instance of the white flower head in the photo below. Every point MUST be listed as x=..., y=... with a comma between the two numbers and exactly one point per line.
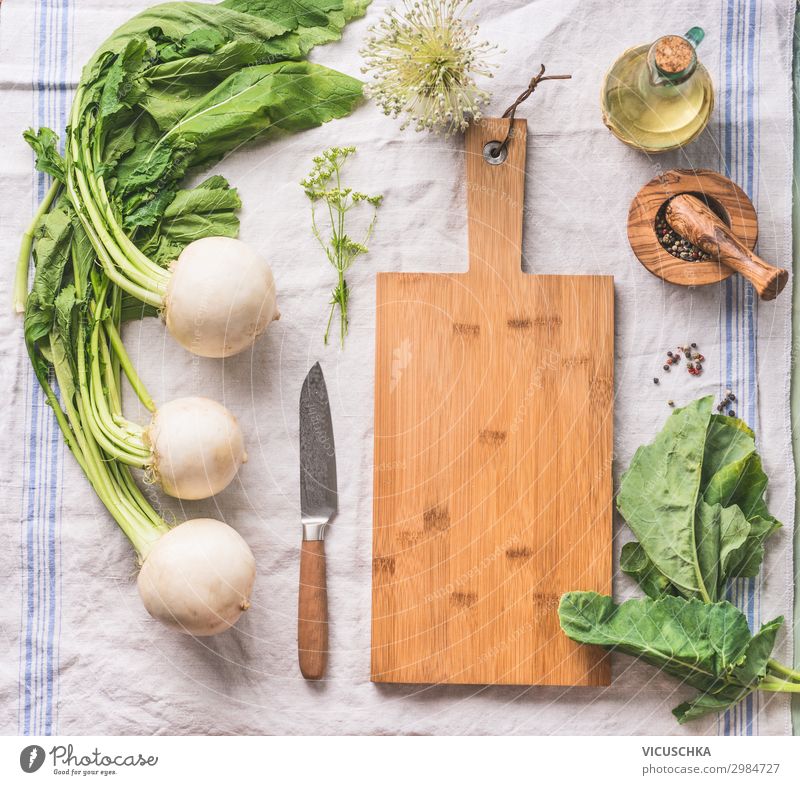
x=424, y=59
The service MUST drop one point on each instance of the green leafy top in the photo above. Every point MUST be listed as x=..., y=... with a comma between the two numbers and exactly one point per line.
x=694, y=497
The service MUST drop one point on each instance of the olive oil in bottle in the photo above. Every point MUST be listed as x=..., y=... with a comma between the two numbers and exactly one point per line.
x=658, y=97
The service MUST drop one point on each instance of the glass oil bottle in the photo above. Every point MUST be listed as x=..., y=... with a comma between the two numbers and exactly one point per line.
x=658, y=96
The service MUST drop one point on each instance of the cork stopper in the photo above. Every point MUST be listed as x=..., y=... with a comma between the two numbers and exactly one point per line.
x=673, y=54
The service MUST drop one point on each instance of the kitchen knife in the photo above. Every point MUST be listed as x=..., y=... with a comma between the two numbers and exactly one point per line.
x=318, y=505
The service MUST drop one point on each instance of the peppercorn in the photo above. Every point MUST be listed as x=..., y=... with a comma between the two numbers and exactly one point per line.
x=666, y=367
x=655, y=380
x=732, y=397
x=731, y=413
x=670, y=403
x=694, y=346
x=669, y=354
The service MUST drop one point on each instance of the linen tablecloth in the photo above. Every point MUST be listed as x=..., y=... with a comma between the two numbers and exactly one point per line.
x=80, y=654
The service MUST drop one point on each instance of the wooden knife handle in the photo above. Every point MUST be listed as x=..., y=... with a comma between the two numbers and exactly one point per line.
x=312, y=611
x=692, y=219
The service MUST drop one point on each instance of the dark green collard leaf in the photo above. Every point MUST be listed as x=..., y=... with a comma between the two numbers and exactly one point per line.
x=698, y=642
x=658, y=495
x=635, y=562
x=707, y=703
x=759, y=650
x=745, y=676
x=719, y=532
x=708, y=646
x=735, y=477
x=45, y=145
x=746, y=561
x=728, y=440
x=731, y=520
x=741, y=482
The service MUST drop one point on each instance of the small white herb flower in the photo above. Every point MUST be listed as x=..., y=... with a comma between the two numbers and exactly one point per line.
x=424, y=60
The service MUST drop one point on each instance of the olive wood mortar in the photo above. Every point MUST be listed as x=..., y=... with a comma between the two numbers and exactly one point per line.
x=727, y=209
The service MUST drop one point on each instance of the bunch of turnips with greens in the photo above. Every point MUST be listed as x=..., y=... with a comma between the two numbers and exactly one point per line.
x=119, y=236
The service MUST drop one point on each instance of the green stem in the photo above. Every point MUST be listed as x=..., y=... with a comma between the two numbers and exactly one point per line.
x=23, y=260
x=778, y=685
x=128, y=445
x=127, y=366
x=784, y=670
x=141, y=531
x=330, y=319
x=152, y=273
x=116, y=265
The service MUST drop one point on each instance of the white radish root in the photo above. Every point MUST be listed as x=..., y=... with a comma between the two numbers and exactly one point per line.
x=198, y=577
x=196, y=447
x=220, y=297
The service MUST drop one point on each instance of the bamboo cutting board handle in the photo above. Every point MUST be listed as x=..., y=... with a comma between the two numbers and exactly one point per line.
x=495, y=198
x=312, y=611
x=692, y=219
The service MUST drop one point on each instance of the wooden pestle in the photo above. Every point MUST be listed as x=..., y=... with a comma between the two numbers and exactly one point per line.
x=696, y=222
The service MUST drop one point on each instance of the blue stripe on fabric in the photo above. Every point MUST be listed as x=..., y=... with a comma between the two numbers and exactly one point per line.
x=41, y=559
x=740, y=162
x=33, y=460
x=56, y=449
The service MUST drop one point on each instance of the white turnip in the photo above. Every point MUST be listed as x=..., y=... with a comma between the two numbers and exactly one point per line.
x=198, y=577
x=220, y=297
x=196, y=447
x=192, y=447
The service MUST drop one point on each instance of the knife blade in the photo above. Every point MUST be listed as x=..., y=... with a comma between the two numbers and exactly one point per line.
x=319, y=502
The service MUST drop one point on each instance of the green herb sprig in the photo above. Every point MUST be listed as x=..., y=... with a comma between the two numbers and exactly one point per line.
x=324, y=185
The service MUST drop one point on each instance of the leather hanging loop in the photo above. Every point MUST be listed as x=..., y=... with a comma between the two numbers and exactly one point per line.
x=527, y=93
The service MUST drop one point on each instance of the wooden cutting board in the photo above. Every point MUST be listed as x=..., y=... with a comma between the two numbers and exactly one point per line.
x=493, y=442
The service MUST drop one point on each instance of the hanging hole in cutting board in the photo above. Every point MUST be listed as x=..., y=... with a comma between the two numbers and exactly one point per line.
x=494, y=153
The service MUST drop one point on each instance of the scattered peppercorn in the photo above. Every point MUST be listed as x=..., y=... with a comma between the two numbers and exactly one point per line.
x=666, y=367
x=670, y=402
x=655, y=380
x=731, y=413
x=694, y=345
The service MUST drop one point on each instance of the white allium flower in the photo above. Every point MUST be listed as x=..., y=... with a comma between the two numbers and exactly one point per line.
x=424, y=58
